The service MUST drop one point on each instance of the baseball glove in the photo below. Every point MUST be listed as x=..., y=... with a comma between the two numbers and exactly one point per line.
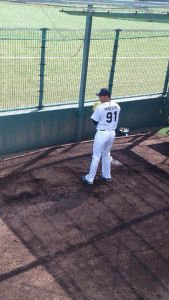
x=122, y=131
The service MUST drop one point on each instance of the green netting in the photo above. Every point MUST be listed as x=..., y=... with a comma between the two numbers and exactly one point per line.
x=19, y=72
x=100, y=58
x=140, y=69
x=64, y=50
x=141, y=63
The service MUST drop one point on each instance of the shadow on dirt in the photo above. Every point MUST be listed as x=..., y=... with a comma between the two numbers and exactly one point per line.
x=108, y=241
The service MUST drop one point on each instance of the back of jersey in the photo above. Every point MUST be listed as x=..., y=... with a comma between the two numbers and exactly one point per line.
x=107, y=115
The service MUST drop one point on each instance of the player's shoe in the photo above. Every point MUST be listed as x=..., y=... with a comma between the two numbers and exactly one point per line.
x=104, y=179
x=83, y=178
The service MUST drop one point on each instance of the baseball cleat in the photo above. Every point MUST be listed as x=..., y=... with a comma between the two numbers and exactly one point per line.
x=104, y=179
x=83, y=178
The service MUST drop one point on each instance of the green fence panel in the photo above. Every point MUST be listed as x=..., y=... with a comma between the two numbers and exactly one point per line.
x=56, y=126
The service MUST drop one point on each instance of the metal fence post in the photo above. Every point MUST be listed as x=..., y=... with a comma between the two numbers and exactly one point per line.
x=166, y=81
x=115, y=49
x=84, y=70
x=42, y=67
x=168, y=94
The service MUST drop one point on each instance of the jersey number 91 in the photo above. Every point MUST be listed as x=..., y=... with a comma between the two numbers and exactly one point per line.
x=109, y=116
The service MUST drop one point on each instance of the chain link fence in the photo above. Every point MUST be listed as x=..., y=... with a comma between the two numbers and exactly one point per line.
x=43, y=67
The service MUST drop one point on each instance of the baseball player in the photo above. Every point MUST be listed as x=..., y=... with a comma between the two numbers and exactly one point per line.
x=105, y=117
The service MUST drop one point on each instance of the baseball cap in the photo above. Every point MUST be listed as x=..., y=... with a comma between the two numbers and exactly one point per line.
x=104, y=92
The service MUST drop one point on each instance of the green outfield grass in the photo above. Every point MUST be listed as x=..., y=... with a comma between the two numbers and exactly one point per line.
x=37, y=16
x=140, y=67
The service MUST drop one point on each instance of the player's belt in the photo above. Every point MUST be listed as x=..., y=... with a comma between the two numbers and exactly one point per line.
x=106, y=130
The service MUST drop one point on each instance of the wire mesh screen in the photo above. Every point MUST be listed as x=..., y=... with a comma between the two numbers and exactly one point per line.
x=140, y=65
x=100, y=58
x=19, y=72
x=64, y=50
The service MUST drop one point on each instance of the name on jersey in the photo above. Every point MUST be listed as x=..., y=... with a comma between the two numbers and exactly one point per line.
x=110, y=107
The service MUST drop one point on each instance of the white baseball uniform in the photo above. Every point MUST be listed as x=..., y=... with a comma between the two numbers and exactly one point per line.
x=107, y=116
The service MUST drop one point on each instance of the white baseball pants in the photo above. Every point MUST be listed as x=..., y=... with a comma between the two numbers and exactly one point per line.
x=103, y=142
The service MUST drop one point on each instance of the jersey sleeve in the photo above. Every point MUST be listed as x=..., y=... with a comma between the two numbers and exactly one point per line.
x=119, y=108
x=118, y=113
x=96, y=114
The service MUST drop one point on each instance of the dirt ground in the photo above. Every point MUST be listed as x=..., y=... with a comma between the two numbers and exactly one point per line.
x=60, y=239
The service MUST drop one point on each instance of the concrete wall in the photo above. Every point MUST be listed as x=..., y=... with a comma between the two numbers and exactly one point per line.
x=32, y=129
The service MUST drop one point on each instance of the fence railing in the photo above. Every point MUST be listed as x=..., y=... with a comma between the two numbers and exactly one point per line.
x=44, y=67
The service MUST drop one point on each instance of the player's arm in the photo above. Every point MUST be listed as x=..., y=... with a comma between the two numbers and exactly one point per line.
x=96, y=116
